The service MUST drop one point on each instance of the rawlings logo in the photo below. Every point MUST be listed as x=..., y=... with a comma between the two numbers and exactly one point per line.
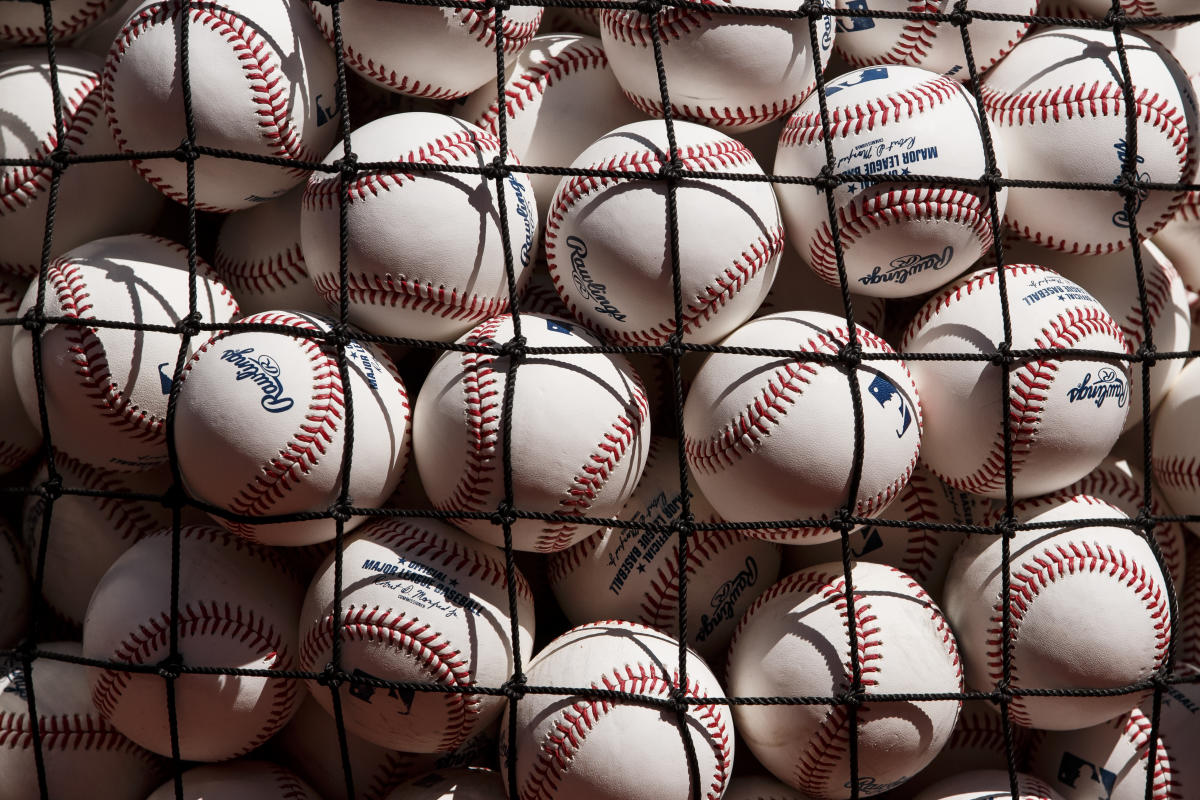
x=15, y=675
x=263, y=371
x=1107, y=384
x=867, y=785
x=725, y=597
x=526, y=217
x=904, y=267
x=595, y=292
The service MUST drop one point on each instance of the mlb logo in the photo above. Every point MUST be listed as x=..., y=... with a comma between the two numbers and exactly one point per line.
x=851, y=24
x=1076, y=772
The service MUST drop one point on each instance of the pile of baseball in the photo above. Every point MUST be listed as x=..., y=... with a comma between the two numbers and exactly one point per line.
x=403, y=436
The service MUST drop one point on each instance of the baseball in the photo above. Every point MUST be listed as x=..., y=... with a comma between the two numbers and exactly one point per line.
x=84, y=755
x=570, y=746
x=106, y=388
x=1136, y=8
x=25, y=24
x=260, y=427
x=237, y=780
x=580, y=433
x=633, y=574
x=1180, y=725
x=1057, y=105
x=988, y=784
x=726, y=71
x=1175, y=445
x=237, y=609
x=1087, y=609
x=760, y=787
x=94, y=199
x=605, y=237
x=452, y=784
x=421, y=602
x=266, y=87
x=977, y=743
x=14, y=588
x=1064, y=414
x=898, y=239
x=1187, y=651
x=431, y=52
x=19, y=437
x=798, y=287
x=773, y=438
x=560, y=95
x=425, y=257
x=794, y=642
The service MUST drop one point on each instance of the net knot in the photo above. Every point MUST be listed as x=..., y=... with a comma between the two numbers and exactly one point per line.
x=825, y=179
x=1144, y=520
x=1003, y=355
x=186, y=151
x=174, y=497
x=340, y=511
x=1003, y=693
x=674, y=346
x=331, y=677
x=993, y=178
x=514, y=348
x=59, y=159
x=649, y=7
x=347, y=167
x=671, y=170
x=850, y=698
x=1127, y=185
x=1147, y=353
x=169, y=667
x=496, y=168
x=190, y=325
x=1116, y=18
x=1006, y=525
x=850, y=353
x=514, y=687
x=679, y=699
x=51, y=488
x=338, y=335
x=961, y=16
x=30, y=321
x=503, y=515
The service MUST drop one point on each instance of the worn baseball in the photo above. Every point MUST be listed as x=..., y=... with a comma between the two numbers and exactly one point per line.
x=14, y=588
x=1064, y=415
x=988, y=784
x=898, y=239
x=237, y=609
x=237, y=780
x=426, y=256
x=452, y=784
x=977, y=743
x=794, y=642
x=83, y=755
x=772, y=438
x=1057, y=104
x=1180, y=725
x=761, y=787
x=1064, y=581
x=267, y=88
x=633, y=573
x=1175, y=462
x=573, y=746
x=426, y=51
x=605, y=237
x=94, y=199
x=560, y=95
x=580, y=432
x=935, y=45
x=106, y=388
x=22, y=24
x=260, y=427
x=723, y=70
x=19, y=437
x=421, y=602
x=1109, y=760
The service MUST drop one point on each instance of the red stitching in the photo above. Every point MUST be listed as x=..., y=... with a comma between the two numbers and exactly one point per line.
x=1137, y=729
x=396, y=291
x=1189, y=617
x=535, y=79
x=723, y=116
x=660, y=606
x=63, y=29
x=1158, y=277
x=1177, y=472
x=919, y=497
x=674, y=22
x=278, y=271
x=291, y=787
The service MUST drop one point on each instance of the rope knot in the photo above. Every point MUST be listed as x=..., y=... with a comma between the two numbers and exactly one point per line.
x=961, y=16
x=514, y=688
x=825, y=179
x=186, y=151
x=503, y=515
x=168, y=668
x=674, y=346
x=340, y=512
x=190, y=325
x=671, y=170
x=51, y=488
x=496, y=168
x=347, y=167
x=338, y=335
x=514, y=348
x=30, y=322
x=1116, y=18
x=649, y=7
x=59, y=159
x=1003, y=355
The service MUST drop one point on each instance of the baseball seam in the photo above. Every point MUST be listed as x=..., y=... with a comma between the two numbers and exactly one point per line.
x=64, y=29
x=535, y=79
x=278, y=271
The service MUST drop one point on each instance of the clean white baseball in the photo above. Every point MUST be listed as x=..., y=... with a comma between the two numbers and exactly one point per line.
x=237, y=609
x=977, y=743
x=760, y=787
x=14, y=588
x=605, y=237
x=262, y=81
x=1056, y=102
x=238, y=780
x=1107, y=760
x=25, y=24
x=1180, y=726
x=452, y=784
x=432, y=52
x=84, y=756
x=930, y=44
x=560, y=95
x=773, y=438
x=898, y=239
x=1087, y=608
x=988, y=784
x=723, y=70
x=258, y=257
x=575, y=746
x=1064, y=414
x=20, y=438
x=1175, y=444
x=1179, y=241
x=260, y=427
x=633, y=574
x=1098, y=9
x=580, y=432
x=422, y=602
x=425, y=257
x=106, y=388
x=794, y=641
x=94, y=199
x=798, y=287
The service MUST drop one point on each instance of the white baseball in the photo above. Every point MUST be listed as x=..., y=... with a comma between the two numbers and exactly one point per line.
x=87, y=533
x=584, y=748
x=1107, y=760
x=761, y=787
x=773, y=438
x=988, y=784
x=25, y=24
x=560, y=95
x=722, y=70
x=633, y=574
x=258, y=257
x=977, y=743
x=1056, y=102
x=94, y=199
x=1176, y=465
x=261, y=427
x=1097, y=9
x=14, y=588
x=1179, y=241
x=1187, y=637
x=797, y=287
x=237, y=609
x=425, y=257
x=1180, y=726
x=605, y=237
x=19, y=437
x=106, y=388
x=262, y=81
x=580, y=432
x=921, y=552
x=432, y=52
x=1064, y=414
x=421, y=602
x=238, y=780
x=898, y=239
x=794, y=642
x=452, y=784
x=84, y=755
x=1072, y=589
x=930, y=44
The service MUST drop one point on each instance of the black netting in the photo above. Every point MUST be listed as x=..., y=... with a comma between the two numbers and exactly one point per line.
x=191, y=330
